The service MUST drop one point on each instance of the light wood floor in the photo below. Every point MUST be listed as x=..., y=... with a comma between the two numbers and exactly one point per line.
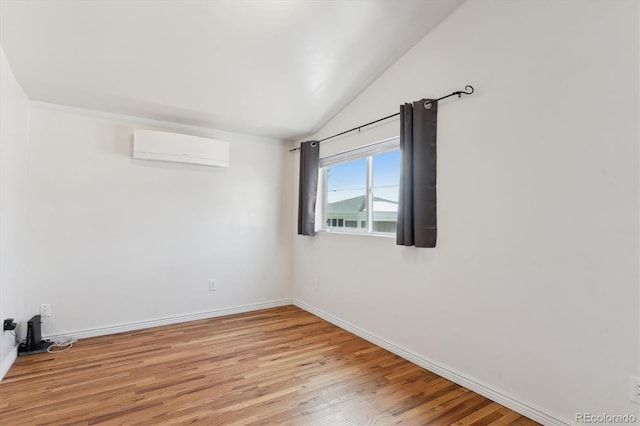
x=275, y=366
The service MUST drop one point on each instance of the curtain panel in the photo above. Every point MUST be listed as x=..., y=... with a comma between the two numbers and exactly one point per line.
x=307, y=192
x=417, y=224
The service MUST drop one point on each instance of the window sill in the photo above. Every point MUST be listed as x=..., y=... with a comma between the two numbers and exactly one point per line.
x=363, y=234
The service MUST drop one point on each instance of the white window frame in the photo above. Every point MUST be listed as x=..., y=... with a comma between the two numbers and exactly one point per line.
x=366, y=151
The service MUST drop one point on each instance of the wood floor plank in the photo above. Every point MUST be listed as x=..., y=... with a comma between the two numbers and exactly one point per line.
x=274, y=366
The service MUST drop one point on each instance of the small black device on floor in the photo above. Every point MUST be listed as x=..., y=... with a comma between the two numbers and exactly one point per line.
x=34, y=343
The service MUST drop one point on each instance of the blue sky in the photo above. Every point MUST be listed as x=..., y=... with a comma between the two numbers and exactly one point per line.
x=348, y=180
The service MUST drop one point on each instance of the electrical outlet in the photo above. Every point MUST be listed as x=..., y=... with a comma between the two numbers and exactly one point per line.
x=634, y=389
x=316, y=285
x=212, y=285
x=45, y=310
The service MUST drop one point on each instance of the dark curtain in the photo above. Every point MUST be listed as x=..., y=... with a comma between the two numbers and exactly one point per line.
x=417, y=225
x=309, y=157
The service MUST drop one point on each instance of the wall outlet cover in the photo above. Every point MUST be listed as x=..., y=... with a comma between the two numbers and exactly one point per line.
x=634, y=389
x=45, y=310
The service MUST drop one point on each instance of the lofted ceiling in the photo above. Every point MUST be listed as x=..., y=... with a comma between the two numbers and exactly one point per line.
x=277, y=69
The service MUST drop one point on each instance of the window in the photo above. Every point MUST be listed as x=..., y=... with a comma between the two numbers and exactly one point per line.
x=359, y=189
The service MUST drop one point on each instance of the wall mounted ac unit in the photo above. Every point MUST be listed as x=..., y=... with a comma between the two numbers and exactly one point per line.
x=174, y=147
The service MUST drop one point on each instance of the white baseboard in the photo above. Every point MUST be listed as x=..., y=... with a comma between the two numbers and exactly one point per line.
x=139, y=325
x=8, y=362
x=483, y=389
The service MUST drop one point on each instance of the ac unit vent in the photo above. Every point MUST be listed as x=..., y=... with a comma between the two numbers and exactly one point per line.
x=177, y=148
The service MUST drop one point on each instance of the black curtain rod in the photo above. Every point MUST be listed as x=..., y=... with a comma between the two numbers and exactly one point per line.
x=467, y=91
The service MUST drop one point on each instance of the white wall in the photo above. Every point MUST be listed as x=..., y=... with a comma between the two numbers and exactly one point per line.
x=532, y=291
x=113, y=240
x=14, y=138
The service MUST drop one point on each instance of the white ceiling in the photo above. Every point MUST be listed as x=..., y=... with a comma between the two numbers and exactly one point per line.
x=273, y=68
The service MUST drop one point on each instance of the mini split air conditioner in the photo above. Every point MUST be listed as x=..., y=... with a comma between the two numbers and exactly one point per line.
x=177, y=148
